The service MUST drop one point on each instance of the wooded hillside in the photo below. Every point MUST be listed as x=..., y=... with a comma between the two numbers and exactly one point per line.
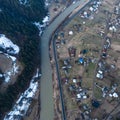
x=16, y=22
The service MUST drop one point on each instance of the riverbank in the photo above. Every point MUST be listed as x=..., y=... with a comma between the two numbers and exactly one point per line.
x=46, y=79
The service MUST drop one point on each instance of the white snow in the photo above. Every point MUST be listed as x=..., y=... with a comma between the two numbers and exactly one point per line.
x=13, y=58
x=45, y=22
x=70, y=33
x=10, y=48
x=74, y=81
x=8, y=45
x=13, y=70
x=115, y=95
x=74, y=2
x=1, y=75
x=78, y=96
x=47, y=3
x=0, y=10
x=113, y=28
x=23, y=2
x=24, y=101
x=46, y=19
x=91, y=9
x=39, y=26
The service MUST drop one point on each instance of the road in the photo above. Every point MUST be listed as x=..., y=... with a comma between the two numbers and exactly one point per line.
x=46, y=88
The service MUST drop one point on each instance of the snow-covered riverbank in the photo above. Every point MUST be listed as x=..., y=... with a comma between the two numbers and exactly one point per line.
x=22, y=104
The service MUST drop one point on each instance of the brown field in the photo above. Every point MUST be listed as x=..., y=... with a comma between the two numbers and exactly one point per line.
x=89, y=38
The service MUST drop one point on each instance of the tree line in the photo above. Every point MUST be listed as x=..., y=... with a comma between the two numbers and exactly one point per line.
x=16, y=22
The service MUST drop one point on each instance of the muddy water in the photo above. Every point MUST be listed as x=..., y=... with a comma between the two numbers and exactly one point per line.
x=46, y=97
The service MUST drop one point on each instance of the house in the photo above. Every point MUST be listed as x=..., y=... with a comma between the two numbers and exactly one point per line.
x=115, y=95
x=91, y=9
x=99, y=74
x=70, y=33
x=72, y=51
x=66, y=61
x=74, y=80
x=117, y=10
x=112, y=28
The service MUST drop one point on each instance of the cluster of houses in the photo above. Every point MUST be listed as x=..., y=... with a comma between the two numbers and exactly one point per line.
x=77, y=90
x=60, y=39
x=101, y=64
x=101, y=69
x=110, y=92
x=66, y=66
x=117, y=9
x=92, y=9
x=22, y=104
x=114, y=24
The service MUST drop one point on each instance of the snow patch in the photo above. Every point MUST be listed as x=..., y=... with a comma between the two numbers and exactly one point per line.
x=23, y=103
x=46, y=19
x=0, y=10
x=47, y=3
x=7, y=45
x=13, y=70
x=40, y=27
x=24, y=2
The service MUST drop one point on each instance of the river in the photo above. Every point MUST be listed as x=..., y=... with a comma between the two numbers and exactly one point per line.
x=46, y=87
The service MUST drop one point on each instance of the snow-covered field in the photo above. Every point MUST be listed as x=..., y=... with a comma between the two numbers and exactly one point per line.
x=8, y=45
x=12, y=71
x=9, y=48
x=24, y=101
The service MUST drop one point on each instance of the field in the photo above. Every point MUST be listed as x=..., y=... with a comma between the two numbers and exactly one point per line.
x=81, y=48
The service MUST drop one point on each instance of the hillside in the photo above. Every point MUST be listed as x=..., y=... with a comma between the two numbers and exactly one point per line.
x=16, y=23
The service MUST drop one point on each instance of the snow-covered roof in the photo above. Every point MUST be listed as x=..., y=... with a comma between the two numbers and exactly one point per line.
x=101, y=72
x=115, y=95
x=100, y=76
x=78, y=96
x=74, y=80
x=113, y=28
x=91, y=8
x=70, y=33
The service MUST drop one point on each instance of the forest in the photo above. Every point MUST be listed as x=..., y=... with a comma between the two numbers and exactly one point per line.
x=16, y=22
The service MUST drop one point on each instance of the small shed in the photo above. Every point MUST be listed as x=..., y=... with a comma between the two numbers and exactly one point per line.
x=81, y=60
